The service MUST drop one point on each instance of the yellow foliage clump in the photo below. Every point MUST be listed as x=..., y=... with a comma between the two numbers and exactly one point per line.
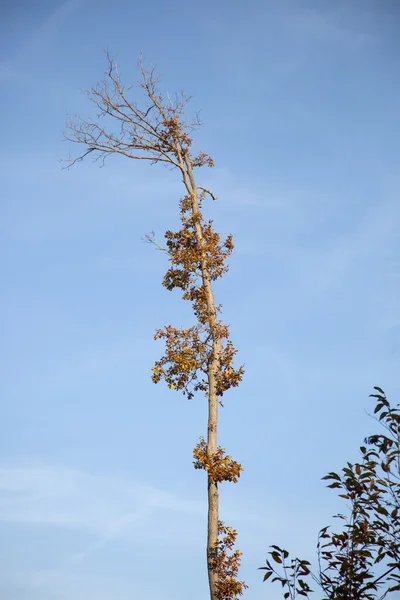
x=226, y=563
x=219, y=466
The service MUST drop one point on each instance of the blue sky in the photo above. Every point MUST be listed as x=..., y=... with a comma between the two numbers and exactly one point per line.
x=300, y=103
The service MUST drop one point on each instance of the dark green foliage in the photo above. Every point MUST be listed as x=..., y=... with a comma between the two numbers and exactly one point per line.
x=362, y=560
x=293, y=573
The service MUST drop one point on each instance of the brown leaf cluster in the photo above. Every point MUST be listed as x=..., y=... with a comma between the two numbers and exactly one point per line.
x=219, y=466
x=184, y=365
x=226, y=562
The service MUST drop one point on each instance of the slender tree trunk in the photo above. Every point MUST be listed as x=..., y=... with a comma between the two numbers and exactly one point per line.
x=213, y=495
x=212, y=422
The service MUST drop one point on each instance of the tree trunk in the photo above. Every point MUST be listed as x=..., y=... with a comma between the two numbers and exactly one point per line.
x=213, y=496
x=212, y=423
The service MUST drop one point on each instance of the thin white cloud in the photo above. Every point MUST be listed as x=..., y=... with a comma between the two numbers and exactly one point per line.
x=369, y=243
x=58, y=16
x=331, y=27
x=91, y=361
x=65, y=584
x=70, y=498
x=110, y=509
x=37, y=38
x=234, y=191
x=9, y=74
x=356, y=256
x=91, y=193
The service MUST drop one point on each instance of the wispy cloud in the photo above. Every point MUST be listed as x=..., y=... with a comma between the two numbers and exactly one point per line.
x=71, y=498
x=333, y=27
x=91, y=194
x=108, y=508
x=235, y=191
x=38, y=38
x=57, y=17
x=367, y=246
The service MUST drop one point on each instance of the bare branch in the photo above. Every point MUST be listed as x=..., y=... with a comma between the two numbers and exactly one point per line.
x=72, y=161
x=206, y=191
x=156, y=132
x=150, y=238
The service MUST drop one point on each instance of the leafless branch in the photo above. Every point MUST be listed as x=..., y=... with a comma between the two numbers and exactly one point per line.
x=206, y=191
x=150, y=238
x=156, y=132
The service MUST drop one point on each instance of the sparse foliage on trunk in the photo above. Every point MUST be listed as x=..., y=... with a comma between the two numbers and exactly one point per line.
x=199, y=358
x=361, y=561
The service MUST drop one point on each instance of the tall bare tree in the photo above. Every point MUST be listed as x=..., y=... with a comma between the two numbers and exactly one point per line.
x=199, y=358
